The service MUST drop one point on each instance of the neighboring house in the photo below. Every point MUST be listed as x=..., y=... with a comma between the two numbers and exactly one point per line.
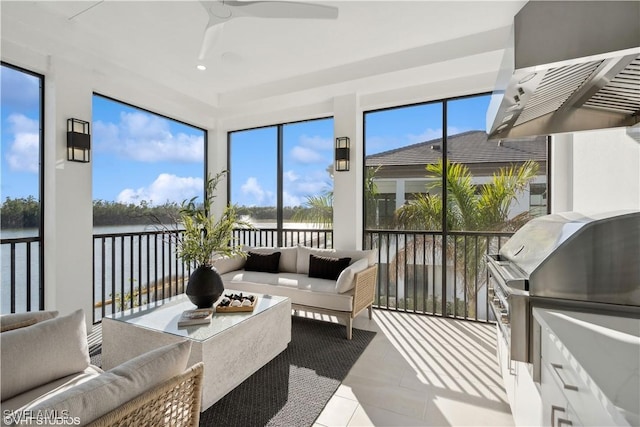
x=401, y=172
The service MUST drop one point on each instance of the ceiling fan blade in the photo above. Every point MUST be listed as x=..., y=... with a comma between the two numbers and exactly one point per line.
x=282, y=9
x=211, y=36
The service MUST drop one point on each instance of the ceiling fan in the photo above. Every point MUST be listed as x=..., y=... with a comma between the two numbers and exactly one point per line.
x=222, y=11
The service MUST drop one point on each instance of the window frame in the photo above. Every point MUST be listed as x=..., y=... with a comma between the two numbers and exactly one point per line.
x=41, y=178
x=279, y=168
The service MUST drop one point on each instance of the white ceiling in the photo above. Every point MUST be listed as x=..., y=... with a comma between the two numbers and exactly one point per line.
x=372, y=46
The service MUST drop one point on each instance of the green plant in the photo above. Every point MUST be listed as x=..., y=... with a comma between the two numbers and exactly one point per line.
x=317, y=210
x=466, y=210
x=203, y=235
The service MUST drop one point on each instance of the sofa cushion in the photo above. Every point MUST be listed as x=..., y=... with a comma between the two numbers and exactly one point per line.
x=346, y=280
x=327, y=267
x=268, y=263
x=44, y=352
x=110, y=390
x=20, y=320
x=301, y=289
x=288, y=256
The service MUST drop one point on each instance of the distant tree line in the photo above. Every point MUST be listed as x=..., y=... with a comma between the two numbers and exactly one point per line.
x=24, y=212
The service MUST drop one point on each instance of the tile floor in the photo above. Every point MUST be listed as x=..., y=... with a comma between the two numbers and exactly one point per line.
x=418, y=371
x=422, y=371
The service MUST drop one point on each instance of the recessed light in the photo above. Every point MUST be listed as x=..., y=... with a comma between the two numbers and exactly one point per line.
x=201, y=67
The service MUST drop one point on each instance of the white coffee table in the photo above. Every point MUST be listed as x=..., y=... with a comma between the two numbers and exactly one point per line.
x=232, y=347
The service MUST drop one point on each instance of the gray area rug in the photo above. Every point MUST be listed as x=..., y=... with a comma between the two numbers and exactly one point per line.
x=292, y=389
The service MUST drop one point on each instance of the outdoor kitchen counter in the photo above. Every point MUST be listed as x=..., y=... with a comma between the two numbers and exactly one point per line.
x=603, y=357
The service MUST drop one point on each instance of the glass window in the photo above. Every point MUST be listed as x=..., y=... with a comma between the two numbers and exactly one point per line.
x=491, y=188
x=21, y=207
x=144, y=166
x=399, y=144
x=253, y=169
x=282, y=181
x=307, y=179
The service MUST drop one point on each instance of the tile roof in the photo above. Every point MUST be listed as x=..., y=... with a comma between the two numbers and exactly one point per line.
x=467, y=147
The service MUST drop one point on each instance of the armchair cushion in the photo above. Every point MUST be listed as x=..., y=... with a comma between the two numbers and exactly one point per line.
x=12, y=321
x=108, y=391
x=43, y=352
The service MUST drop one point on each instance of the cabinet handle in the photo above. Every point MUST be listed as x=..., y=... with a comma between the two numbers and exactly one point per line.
x=561, y=421
x=556, y=368
x=555, y=408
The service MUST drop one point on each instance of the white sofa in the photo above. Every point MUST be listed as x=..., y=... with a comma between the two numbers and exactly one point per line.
x=344, y=296
x=47, y=378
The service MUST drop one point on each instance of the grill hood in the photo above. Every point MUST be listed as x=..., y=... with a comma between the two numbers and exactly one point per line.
x=570, y=66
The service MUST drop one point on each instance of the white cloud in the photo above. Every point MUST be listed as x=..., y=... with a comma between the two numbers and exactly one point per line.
x=147, y=138
x=24, y=152
x=297, y=188
x=261, y=196
x=291, y=200
x=165, y=188
x=316, y=142
x=306, y=155
x=310, y=149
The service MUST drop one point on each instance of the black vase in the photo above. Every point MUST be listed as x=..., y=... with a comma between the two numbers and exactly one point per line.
x=204, y=287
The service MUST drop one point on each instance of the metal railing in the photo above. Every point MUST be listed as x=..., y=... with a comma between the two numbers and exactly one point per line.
x=315, y=238
x=132, y=269
x=22, y=286
x=411, y=276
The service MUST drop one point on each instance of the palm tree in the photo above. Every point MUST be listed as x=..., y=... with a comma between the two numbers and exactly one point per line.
x=317, y=210
x=467, y=209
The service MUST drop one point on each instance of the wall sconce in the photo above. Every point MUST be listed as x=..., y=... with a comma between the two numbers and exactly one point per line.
x=342, y=153
x=78, y=141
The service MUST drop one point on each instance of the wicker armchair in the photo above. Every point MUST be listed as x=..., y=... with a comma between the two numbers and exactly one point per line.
x=175, y=402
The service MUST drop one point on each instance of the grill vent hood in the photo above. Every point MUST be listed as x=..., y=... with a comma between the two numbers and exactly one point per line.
x=570, y=66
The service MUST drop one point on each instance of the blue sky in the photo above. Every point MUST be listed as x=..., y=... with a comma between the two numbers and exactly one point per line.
x=141, y=156
x=20, y=115
x=307, y=155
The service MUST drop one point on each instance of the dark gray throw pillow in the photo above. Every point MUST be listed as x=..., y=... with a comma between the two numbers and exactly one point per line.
x=327, y=268
x=266, y=263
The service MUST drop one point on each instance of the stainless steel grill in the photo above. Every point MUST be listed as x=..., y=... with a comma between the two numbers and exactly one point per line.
x=589, y=262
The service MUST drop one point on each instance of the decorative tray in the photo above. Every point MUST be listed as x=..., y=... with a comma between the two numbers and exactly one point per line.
x=237, y=309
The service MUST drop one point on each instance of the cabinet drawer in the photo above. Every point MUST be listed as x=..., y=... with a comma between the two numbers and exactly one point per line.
x=556, y=410
x=560, y=368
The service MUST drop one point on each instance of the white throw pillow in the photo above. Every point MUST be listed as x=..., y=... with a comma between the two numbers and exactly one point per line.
x=288, y=256
x=101, y=395
x=345, y=281
x=226, y=264
x=302, y=263
x=369, y=255
x=44, y=352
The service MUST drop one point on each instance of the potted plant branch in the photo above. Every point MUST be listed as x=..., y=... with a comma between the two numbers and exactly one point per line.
x=203, y=238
